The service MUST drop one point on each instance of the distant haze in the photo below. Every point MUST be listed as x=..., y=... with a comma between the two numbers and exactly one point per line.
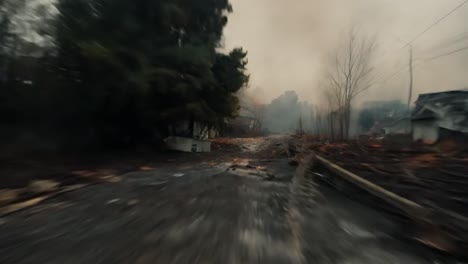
x=288, y=42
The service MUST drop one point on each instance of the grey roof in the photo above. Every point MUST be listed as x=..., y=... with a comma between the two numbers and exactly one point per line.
x=434, y=105
x=459, y=91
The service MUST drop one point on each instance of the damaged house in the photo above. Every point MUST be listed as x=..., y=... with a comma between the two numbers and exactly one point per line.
x=190, y=136
x=437, y=115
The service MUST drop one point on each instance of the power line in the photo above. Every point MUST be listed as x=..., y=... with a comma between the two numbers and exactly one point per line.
x=384, y=80
x=435, y=23
x=391, y=76
x=462, y=37
x=422, y=33
x=446, y=54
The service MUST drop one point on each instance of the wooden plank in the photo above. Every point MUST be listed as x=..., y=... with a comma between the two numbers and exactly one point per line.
x=35, y=201
x=411, y=208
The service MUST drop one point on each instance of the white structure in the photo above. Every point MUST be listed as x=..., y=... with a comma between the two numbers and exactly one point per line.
x=188, y=144
x=436, y=111
x=189, y=136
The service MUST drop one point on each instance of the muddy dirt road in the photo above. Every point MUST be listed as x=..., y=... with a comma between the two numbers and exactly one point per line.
x=207, y=212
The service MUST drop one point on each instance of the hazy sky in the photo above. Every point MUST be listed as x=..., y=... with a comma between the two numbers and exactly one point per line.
x=288, y=42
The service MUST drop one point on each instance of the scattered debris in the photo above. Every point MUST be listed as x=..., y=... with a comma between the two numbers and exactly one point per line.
x=15, y=207
x=147, y=168
x=113, y=201
x=111, y=178
x=133, y=202
x=240, y=163
x=157, y=183
x=246, y=172
x=43, y=186
x=8, y=196
x=260, y=168
x=94, y=173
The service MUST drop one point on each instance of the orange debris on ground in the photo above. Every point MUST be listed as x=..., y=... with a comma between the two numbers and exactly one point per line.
x=428, y=158
x=448, y=146
x=323, y=149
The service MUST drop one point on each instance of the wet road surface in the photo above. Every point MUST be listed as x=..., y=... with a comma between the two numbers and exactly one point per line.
x=207, y=213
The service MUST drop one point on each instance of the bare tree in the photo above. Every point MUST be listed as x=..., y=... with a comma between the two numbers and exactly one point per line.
x=349, y=74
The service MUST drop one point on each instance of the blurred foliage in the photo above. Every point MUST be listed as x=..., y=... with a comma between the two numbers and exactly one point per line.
x=120, y=72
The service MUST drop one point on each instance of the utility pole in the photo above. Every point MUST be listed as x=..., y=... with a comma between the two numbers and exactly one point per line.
x=411, y=77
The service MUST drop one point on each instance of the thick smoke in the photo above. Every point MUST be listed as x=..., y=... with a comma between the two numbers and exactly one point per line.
x=289, y=41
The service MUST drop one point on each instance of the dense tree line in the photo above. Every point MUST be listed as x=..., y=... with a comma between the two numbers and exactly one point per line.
x=287, y=113
x=120, y=72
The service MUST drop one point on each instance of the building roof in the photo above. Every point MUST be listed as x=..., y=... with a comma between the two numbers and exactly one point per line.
x=462, y=91
x=438, y=105
x=449, y=109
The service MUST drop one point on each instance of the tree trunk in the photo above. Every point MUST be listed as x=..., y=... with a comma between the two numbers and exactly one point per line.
x=347, y=119
x=332, y=129
x=342, y=123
